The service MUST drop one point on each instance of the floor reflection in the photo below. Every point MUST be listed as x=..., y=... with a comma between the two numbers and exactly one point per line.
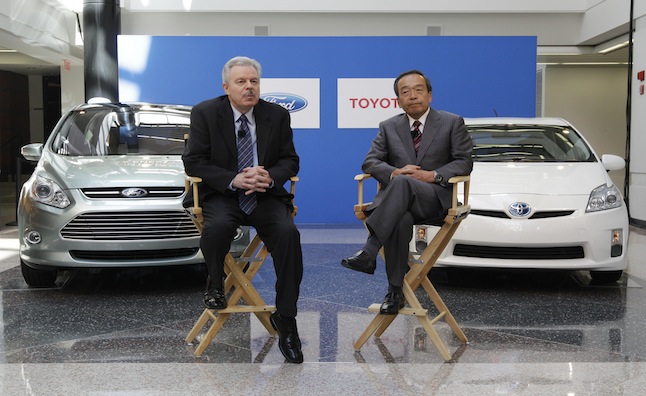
x=143, y=315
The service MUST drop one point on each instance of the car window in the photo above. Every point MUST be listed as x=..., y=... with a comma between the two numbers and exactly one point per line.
x=535, y=143
x=99, y=132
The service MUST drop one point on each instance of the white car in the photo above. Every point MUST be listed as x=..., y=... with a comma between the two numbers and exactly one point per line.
x=540, y=199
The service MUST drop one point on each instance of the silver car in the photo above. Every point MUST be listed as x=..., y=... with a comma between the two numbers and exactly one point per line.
x=107, y=191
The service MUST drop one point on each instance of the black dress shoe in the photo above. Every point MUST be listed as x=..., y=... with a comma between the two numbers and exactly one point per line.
x=393, y=302
x=214, y=299
x=361, y=262
x=288, y=341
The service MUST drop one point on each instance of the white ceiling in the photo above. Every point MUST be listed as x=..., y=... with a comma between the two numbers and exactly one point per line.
x=46, y=33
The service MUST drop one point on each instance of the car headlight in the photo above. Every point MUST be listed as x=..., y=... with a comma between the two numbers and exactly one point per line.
x=603, y=198
x=48, y=192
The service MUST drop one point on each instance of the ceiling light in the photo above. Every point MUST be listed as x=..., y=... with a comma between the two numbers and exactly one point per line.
x=612, y=45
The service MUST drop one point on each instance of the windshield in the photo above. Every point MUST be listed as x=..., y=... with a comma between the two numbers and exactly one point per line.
x=533, y=143
x=104, y=131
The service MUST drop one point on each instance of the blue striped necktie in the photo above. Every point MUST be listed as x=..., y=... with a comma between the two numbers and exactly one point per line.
x=245, y=159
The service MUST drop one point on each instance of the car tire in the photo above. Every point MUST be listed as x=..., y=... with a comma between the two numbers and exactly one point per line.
x=603, y=277
x=38, y=278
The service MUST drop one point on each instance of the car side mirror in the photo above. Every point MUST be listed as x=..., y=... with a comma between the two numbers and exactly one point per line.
x=32, y=152
x=613, y=162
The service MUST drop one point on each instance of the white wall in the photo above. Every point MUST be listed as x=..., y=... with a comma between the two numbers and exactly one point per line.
x=564, y=27
x=637, y=193
x=594, y=100
x=72, y=87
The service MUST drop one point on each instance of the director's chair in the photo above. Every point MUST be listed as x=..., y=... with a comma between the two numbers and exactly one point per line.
x=419, y=270
x=240, y=271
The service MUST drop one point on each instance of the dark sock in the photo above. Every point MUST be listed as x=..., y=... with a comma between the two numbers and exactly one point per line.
x=372, y=246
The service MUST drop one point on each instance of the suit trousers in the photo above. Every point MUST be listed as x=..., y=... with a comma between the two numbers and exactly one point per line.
x=274, y=223
x=404, y=203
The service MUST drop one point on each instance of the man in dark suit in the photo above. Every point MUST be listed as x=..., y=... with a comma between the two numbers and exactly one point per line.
x=413, y=156
x=243, y=185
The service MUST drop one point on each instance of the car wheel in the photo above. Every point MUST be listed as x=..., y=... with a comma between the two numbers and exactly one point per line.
x=38, y=278
x=606, y=276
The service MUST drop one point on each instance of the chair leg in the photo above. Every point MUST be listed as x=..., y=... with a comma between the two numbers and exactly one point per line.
x=211, y=333
x=416, y=277
x=385, y=322
x=376, y=323
x=427, y=324
x=206, y=315
x=441, y=307
x=239, y=283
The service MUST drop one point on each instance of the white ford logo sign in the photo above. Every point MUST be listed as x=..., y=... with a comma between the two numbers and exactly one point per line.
x=134, y=192
x=290, y=102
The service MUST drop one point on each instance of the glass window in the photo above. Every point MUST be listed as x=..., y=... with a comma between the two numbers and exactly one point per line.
x=101, y=131
x=536, y=143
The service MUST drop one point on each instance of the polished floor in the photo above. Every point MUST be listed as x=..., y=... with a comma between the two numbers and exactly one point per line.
x=121, y=332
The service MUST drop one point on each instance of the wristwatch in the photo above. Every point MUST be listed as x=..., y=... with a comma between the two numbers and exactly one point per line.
x=438, y=178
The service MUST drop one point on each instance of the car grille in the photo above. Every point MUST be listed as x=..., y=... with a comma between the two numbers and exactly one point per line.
x=130, y=226
x=120, y=255
x=536, y=215
x=519, y=253
x=115, y=192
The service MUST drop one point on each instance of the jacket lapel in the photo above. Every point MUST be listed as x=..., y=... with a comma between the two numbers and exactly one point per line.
x=227, y=126
x=263, y=130
x=431, y=126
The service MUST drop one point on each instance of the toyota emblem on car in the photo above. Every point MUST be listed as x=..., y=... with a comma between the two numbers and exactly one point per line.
x=519, y=209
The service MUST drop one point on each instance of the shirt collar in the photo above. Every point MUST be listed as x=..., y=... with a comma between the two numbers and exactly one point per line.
x=422, y=119
x=249, y=115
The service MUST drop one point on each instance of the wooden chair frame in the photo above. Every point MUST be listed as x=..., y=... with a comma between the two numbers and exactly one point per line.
x=240, y=271
x=418, y=273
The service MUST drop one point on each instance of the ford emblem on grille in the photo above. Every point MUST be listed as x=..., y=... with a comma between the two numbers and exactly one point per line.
x=134, y=192
x=519, y=209
x=290, y=102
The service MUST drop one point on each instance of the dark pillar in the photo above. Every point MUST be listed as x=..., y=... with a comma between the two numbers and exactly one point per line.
x=101, y=26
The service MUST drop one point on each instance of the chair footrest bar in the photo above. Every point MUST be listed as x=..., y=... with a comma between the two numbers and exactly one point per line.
x=404, y=311
x=243, y=308
x=247, y=259
x=438, y=317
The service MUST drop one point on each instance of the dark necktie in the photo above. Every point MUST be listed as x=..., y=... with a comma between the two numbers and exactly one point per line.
x=416, y=134
x=245, y=159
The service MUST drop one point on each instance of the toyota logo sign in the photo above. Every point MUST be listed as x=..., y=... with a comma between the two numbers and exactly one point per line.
x=519, y=209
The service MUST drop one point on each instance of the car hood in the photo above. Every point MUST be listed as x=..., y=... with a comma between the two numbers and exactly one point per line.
x=537, y=178
x=118, y=170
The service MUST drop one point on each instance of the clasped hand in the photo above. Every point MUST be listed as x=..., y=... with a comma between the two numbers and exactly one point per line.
x=415, y=172
x=252, y=179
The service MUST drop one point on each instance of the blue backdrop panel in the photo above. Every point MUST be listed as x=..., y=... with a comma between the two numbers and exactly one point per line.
x=471, y=76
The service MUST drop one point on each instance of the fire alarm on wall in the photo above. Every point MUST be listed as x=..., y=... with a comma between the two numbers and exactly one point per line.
x=640, y=75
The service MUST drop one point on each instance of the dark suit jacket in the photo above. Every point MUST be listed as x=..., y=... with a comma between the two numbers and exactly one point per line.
x=211, y=152
x=445, y=147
